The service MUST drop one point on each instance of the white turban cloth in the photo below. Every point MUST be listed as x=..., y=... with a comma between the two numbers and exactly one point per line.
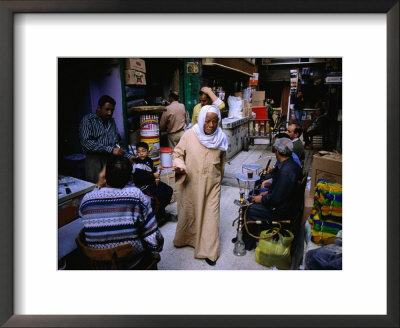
x=217, y=140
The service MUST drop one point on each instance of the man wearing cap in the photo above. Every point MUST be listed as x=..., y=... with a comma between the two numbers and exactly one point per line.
x=173, y=120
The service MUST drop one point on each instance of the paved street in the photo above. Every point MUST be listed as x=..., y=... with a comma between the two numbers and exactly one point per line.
x=183, y=259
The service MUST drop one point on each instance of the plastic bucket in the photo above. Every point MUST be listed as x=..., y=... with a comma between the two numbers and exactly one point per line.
x=166, y=157
x=149, y=126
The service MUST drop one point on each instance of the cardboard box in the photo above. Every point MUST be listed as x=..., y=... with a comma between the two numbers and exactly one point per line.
x=136, y=64
x=246, y=108
x=257, y=102
x=169, y=179
x=328, y=166
x=258, y=95
x=134, y=77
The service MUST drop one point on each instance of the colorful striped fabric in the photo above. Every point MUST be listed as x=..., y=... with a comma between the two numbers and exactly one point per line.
x=326, y=213
x=112, y=217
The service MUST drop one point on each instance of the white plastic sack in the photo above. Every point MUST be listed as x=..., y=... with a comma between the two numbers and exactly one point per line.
x=235, y=107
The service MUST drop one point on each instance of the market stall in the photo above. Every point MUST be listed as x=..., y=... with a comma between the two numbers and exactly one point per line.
x=70, y=194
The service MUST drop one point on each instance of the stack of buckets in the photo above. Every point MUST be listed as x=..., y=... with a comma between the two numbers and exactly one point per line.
x=150, y=134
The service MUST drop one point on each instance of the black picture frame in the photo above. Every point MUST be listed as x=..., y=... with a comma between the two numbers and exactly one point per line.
x=7, y=11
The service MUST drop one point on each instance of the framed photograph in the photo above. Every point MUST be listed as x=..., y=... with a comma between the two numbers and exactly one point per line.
x=35, y=294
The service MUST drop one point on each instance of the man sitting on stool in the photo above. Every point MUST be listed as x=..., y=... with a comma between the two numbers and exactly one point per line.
x=114, y=214
x=277, y=203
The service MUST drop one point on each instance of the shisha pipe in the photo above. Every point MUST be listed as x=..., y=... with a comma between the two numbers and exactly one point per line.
x=278, y=223
x=263, y=175
x=239, y=248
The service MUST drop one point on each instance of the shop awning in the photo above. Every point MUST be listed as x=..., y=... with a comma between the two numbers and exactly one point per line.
x=239, y=65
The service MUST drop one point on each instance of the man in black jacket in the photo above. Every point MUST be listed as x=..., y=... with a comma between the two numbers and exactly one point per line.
x=277, y=203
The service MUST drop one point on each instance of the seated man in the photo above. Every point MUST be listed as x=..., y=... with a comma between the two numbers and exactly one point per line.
x=318, y=126
x=267, y=178
x=114, y=214
x=277, y=203
x=294, y=131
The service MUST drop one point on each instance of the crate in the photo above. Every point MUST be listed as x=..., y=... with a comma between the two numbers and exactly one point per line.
x=327, y=166
x=136, y=64
x=260, y=111
x=134, y=77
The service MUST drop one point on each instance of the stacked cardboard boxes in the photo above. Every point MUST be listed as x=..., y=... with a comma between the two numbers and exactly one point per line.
x=257, y=98
x=246, y=109
x=135, y=71
x=169, y=179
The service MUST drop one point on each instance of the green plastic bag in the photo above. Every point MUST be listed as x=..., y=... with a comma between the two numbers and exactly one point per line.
x=275, y=251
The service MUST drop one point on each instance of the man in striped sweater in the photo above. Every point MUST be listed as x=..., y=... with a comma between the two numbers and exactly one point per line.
x=100, y=139
x=118, y=214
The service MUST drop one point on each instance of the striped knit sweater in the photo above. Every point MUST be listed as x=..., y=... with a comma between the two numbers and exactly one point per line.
x=113, y=217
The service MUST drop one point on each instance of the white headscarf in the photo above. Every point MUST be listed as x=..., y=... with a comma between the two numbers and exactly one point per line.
x=217, y=140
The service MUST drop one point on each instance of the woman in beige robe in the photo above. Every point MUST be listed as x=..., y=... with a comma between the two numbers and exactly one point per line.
x=199, y=160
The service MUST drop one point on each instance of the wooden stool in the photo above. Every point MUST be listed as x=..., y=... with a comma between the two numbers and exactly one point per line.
x=107, y=258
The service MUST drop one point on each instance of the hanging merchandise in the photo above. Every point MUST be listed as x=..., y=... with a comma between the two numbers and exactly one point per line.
x=246, y=94
x=221, y=93
x=254, y=79
x=294, y=77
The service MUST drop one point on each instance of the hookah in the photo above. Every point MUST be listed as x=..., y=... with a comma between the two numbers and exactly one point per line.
x=246, y=182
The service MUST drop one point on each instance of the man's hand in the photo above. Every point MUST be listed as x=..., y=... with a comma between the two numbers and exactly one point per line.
x=180, y=170
x=132, y=159
x=101, y=181
x=118, y=151
x=257, y=199
x=263, y=193
x=270, y=168
x=207, y=90
x=266, y=183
